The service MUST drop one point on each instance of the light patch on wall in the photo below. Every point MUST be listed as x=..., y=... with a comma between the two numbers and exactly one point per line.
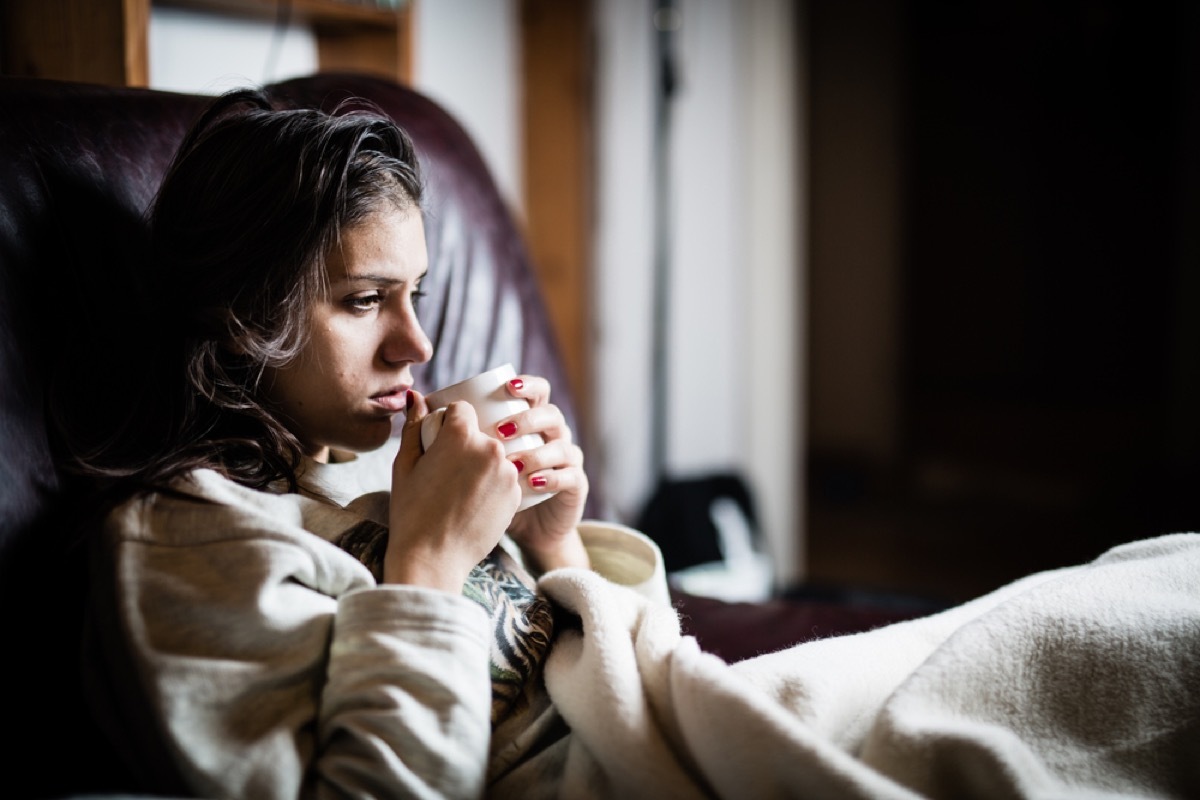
x=192, y=51
x=467, y=60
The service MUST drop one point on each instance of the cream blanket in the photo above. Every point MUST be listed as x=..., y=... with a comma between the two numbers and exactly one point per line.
x=1081, y=682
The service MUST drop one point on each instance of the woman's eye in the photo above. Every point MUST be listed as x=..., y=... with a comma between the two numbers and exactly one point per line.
x=416, y=298
x=364, y=302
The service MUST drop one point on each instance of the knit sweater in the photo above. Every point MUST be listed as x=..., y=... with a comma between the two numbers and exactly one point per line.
x=243, y=650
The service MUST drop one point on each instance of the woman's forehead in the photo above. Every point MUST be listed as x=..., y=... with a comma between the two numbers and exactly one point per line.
x=386, y=246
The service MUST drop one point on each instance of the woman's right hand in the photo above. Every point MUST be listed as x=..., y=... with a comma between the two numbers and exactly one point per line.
x=450, y=505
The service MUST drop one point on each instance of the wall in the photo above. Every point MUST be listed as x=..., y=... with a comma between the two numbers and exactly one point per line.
x=734, y=384
x=466, y=58
x=774, y=181
x=194, y=51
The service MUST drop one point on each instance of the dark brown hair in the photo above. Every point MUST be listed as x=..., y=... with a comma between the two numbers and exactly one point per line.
x=253, y=203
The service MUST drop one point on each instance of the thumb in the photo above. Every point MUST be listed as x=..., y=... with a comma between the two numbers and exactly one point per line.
x=410, y=434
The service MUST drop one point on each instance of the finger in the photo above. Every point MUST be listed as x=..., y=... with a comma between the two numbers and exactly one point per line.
x=558, y=480
x=556, y=455
x=460, y=418
x=546, y=420
x=410, y=434
x=533, y=388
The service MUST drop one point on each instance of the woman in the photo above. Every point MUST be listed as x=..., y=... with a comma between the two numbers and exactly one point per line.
x=276, y=615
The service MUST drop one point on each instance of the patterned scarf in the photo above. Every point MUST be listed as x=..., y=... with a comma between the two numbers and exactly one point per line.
x=522, y=619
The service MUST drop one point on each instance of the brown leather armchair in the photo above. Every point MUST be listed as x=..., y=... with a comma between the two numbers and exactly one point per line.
x=79, y=164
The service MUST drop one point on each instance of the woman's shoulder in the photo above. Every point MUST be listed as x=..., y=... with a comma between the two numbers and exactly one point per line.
x=205, y=506
x=199, y=488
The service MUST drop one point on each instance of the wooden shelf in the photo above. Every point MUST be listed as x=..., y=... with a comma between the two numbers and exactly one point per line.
x=106, y=41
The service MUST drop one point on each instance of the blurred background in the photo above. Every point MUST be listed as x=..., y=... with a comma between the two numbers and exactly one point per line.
x=931, y=268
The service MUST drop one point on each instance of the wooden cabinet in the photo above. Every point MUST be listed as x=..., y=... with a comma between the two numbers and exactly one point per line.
x=106, y=41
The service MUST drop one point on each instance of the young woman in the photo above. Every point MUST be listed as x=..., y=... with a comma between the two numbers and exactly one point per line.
x=279, y=614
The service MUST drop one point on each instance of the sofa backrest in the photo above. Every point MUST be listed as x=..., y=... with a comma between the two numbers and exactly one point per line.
x=79, y=164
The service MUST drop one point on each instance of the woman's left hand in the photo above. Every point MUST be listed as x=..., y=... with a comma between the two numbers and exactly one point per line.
x=547, y=533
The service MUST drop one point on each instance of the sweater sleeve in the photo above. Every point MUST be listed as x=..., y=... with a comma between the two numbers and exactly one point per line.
x=406, y=710
x=272, y=665
x=627, y=557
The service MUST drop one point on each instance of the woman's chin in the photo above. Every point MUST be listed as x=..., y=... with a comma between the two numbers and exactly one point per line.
x=374, y=437
x=364, y=437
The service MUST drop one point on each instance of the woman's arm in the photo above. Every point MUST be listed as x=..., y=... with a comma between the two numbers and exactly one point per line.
x=272, y=665
x=407, y=707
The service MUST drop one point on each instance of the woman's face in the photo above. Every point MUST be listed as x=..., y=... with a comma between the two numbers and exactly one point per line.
x=352, y=376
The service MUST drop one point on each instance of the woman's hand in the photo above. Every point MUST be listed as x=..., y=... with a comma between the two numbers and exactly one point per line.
x=547, y=532
x=450, y=505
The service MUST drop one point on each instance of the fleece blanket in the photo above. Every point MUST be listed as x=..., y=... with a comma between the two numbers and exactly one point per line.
x=1079, y=682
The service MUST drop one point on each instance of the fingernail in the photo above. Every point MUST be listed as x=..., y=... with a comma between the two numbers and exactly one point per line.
x=408, y=400
x=517, y=384
x=507, y=429
x=537, y=481
x=519, y=464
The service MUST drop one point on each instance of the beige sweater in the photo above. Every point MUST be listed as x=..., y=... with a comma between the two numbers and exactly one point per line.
x=271, y=664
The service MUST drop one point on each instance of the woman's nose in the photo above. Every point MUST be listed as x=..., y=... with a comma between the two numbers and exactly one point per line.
x=406, y=342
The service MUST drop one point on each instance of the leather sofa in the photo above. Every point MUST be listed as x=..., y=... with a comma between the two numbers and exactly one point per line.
x=79, y=164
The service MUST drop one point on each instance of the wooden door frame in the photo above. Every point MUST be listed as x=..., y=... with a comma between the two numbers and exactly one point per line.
x=557, y=77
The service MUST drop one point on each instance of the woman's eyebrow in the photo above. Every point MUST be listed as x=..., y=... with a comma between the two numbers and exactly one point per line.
x=370, y=277
x=377, y=279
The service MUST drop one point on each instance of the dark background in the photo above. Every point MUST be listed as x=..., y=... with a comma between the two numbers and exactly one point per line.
x=1038, y=398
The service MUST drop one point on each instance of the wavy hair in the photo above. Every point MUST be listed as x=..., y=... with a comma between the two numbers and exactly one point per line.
x=253, y=203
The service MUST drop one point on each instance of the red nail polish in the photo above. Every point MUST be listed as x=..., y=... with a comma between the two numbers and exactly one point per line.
x=408, y=400
x=507, y=429
x=537, y=481
x=519, y=464
x=517, y=383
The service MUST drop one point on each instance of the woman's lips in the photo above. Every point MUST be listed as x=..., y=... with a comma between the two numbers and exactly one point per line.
x=393, y=400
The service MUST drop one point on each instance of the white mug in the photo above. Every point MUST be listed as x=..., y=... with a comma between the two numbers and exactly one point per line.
x=489, y=396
